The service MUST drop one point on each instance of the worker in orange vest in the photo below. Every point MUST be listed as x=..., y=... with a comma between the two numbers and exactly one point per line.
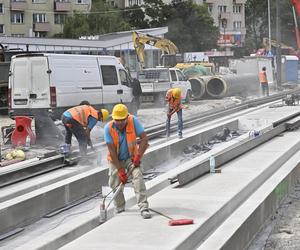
x=79, y=121
x=264, y=82
x=124, y=153
x=173, y=97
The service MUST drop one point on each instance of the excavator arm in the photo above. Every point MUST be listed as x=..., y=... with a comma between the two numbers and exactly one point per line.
x=139, y=41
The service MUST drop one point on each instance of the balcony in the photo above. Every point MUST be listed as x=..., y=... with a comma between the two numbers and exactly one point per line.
x=210, y=1
x=62, y=6
x=41, y=27
x=239, y=1
x=224, y=15
x=18, y=5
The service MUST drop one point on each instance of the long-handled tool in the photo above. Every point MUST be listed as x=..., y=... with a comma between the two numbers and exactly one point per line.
x=116, y=191
x=173, y=222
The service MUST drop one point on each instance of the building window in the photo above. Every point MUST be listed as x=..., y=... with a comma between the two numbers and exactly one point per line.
x=1, y=8
x=40, y=34
x=222, y=8
x=60, y=18
x=237, y=25
x=17, y=17
x=237, y=8
x=39, y=1
x=2, y=29
x=17, y=35
x=210, y=7
x=39, y=18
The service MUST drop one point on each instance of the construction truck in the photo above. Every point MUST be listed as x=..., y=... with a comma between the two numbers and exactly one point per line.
x=171, y=54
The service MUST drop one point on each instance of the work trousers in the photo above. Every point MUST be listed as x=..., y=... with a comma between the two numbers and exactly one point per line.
x=137, y=182
x=265, y=89
x=74, y=127
x=179, y=123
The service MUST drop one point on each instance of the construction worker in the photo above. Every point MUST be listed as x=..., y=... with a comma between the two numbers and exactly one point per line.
x=79, y=121
x=173, y=98
x=124, y=153
x=264, y=82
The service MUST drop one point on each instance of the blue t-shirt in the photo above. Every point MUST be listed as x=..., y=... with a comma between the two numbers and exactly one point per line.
x=123, y=154
x=92, y=121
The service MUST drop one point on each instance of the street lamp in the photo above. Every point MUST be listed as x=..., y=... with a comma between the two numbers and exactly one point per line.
x=269, y=25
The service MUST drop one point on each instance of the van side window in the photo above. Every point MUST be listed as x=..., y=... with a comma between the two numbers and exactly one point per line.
x=180, y=76
x=124, y=77
x=109, y=75
x=173, y=75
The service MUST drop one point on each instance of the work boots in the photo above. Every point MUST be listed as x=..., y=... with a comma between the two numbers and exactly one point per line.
x=146, y=214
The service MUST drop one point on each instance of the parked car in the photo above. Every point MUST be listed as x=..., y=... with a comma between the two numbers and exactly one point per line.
x=155, y=82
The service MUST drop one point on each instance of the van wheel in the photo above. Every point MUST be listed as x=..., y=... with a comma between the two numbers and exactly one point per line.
x=188, y=97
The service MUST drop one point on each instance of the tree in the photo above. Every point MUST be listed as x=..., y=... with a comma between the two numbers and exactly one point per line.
x=136, y=18
x=192, y=28
x=102, y=19
x=256, y=12
x=76, y=26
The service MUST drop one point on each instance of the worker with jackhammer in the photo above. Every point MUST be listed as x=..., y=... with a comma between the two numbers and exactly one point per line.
x=125, y=154
x=264, y=82
x=79, y=121
x=173, y=97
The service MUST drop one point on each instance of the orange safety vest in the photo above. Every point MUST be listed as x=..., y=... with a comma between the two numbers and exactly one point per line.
x=263, y=77
x=130, y=137
x=173, y=103
x=82, y=113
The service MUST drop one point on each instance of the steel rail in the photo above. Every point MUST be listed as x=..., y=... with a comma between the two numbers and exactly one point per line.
x=48, y=164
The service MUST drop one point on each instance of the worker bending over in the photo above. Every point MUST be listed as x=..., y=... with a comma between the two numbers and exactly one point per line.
x=79, y=121
x=173, y=98
x=264, y=82
x=124, y=153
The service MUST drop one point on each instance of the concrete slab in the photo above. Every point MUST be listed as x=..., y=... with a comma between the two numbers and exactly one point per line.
x=209, y=201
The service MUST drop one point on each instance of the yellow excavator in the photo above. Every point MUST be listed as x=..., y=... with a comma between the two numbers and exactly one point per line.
x=169, y=58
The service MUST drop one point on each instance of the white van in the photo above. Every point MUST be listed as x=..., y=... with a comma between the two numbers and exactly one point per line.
x=155, y=82
x=56, y=82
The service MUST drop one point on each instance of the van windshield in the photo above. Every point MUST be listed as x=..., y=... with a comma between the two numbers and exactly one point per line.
x=153, y=75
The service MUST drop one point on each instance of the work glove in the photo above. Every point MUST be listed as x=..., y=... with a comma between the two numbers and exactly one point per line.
x=169, y=115
x=122, y=175
x=136, y=160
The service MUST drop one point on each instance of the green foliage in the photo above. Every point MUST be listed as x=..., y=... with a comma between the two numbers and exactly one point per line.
x=256, y=12
x=102, y=19
x=191, y=27
x=135, y=16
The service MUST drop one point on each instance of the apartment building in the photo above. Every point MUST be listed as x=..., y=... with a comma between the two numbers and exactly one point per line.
x=229, y=16
x=37, y=18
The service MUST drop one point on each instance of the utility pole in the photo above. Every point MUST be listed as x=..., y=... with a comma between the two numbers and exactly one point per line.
x=269, y=26
x=278, y=48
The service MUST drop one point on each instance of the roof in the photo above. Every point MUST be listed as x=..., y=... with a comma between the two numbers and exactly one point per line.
x=112, y=41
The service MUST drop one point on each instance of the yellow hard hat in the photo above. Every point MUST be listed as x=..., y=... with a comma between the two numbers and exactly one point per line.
x=119, y=112
x=105, y=114
x=176, y=93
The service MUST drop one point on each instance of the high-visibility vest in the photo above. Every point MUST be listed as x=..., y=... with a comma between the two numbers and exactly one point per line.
x=82, y=113
x=263, y=77
x=173, y=103
x=130, y=137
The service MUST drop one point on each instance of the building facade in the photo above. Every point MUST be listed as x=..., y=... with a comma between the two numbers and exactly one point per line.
x=37, y=18
x=229, y=16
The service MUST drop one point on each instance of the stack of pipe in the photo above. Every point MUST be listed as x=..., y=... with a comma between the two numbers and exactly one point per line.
x=198, y=84
x=232, y=84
